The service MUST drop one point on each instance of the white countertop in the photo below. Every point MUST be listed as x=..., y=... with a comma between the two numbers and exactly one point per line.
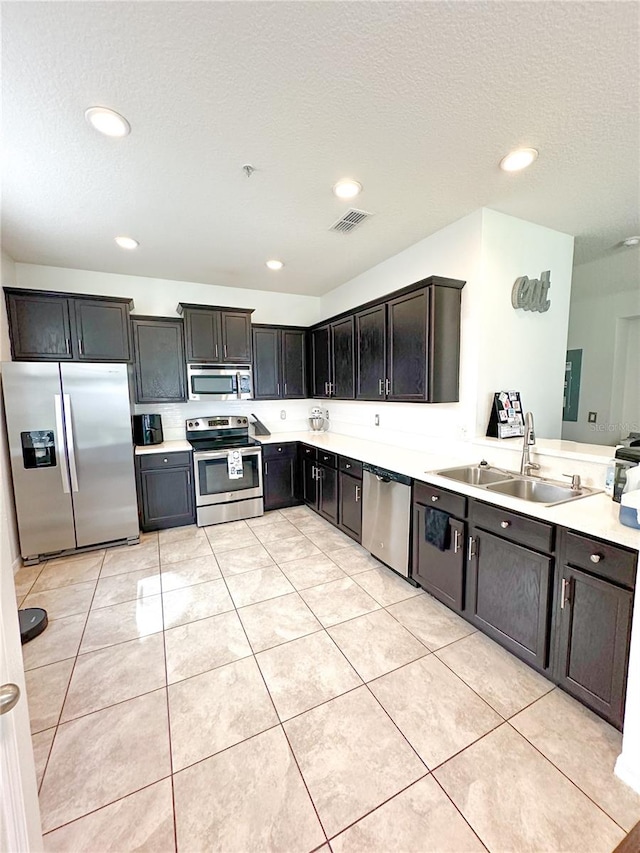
x=596, y=515
x=165, y=447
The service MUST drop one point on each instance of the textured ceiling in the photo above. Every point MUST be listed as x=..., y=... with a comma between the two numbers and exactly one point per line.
x=418, y=101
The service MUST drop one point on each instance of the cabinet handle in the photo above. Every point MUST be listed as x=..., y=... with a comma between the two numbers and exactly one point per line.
x=68, y=343
x=216, y=350
x=313, y=472
x=326, y=389
x=357, y=493
x=456, y=541
x=80, y=347
x=380, y=387
x=285, y=389
x=595, y=558
x=473, y=548
x=188, y=477
x=387, y=386
x=266, y=468
x=347, y=466
x=165, y=459
x=435, y=498
x=279, y=450
x=225, y=350
x=278, y=386
x=505, y=524
x=566, y=592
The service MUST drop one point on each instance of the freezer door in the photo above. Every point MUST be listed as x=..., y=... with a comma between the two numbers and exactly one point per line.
x=41, y=484
x=98, y=426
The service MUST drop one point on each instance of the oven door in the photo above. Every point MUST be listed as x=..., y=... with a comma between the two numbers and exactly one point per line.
x=221, y=383
x=213, y=484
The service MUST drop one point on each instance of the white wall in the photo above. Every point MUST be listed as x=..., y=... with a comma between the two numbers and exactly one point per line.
x=605, y=295
x=523, y=350
x=160, y=297
x=8, y=525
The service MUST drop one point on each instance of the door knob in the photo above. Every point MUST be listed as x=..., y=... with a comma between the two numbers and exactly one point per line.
x=9, y=696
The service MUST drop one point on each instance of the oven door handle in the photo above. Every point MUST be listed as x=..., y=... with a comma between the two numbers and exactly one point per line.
x=222, y=454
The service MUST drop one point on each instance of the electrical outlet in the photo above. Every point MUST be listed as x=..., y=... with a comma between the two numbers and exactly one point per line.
x=283, y=414
x=376, y=420
x=592, y=418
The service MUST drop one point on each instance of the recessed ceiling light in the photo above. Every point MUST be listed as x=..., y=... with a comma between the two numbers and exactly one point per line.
x=520, y=159
x=126, y=242
x=347, y=188
x=107, y=121
x=274, y=264
x=631, y=241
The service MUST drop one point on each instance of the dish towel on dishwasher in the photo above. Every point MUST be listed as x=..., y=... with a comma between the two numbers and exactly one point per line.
x=436, y=528
x=234, y=465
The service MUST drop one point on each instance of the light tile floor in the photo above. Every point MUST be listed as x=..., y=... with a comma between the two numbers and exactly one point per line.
x=269, y=686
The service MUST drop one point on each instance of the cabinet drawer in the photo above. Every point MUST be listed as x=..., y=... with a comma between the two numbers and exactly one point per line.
x=517, y=528
x=328, y=459
x=600, y=558
x=279, y=451
x=308, y=452
x=148, y=461
x=351, y=466
x=440, y=499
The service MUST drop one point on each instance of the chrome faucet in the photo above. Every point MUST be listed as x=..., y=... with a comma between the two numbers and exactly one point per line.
x=526, y=465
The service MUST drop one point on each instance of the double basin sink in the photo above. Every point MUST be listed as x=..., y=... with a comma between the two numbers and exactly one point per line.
x=533, y=489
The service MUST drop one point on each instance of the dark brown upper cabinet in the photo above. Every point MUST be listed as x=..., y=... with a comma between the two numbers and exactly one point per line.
x=216, y=335
x=65, y=327
x=159, y=365
x=332, y=353
x=279, y=363
x=405, y=347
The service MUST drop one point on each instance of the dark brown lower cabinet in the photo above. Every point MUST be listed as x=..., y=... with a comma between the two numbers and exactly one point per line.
x=440, y=572
x=593, y=632
x=350, y=505
x=327, y=479
x=280, y=469
x=165, y=490
x=508, y=595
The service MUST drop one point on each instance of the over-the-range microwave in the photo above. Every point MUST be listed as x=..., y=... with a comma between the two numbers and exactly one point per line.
x=216, y=382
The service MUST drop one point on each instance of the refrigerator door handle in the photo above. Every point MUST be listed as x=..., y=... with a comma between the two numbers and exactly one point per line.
x=70, y=445
x=64, y=473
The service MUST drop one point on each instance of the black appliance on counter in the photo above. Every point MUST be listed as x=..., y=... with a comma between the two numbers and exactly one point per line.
x=147, y=429
x=626, y=457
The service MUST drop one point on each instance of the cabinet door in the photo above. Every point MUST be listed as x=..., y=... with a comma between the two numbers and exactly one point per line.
x=328, y=492
x=309, y=482
x=266, y=364
x=350, y=505
x=508, y=596
x=342, y=359
x=407, y=359
x=439, y=572
x=202, y=336
x=594, y=619
x=321, y=361
x=294, y=364
x=370, y=354
x=103, y=330
x=40, y=327
x=279, y=483
x=166, y=498
x=159, y=370
x=236, y=337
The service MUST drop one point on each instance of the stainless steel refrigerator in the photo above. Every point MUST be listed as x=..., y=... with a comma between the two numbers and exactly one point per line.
x=69, y=431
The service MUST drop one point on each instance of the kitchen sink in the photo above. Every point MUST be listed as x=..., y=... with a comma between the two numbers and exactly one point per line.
x=532, y=489
x=536, y=491
x=476, y=475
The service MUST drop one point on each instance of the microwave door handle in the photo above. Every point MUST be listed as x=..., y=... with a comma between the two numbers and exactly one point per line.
x=238, y=385
x=70, y=443
x=60, y=442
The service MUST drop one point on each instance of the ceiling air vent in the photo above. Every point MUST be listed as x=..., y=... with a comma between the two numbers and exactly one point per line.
x=351, y=219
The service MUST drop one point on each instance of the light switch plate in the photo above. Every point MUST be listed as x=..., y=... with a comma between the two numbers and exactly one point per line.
x=283, y=414
x=377, y=420
x=592, y=418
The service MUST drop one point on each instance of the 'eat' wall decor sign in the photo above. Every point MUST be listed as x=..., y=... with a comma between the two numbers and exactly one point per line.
x=531, y=293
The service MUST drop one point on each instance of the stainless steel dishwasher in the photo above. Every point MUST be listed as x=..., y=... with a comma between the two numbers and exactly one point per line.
x=386, y=515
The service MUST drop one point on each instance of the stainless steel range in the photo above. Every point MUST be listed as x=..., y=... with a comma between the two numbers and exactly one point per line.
x=227, y=467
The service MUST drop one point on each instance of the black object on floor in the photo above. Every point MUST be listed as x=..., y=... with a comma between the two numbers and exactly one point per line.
x=33, y=621
x=436, y=528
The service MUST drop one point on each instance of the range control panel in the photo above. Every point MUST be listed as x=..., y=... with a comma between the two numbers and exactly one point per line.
x=224, y=422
